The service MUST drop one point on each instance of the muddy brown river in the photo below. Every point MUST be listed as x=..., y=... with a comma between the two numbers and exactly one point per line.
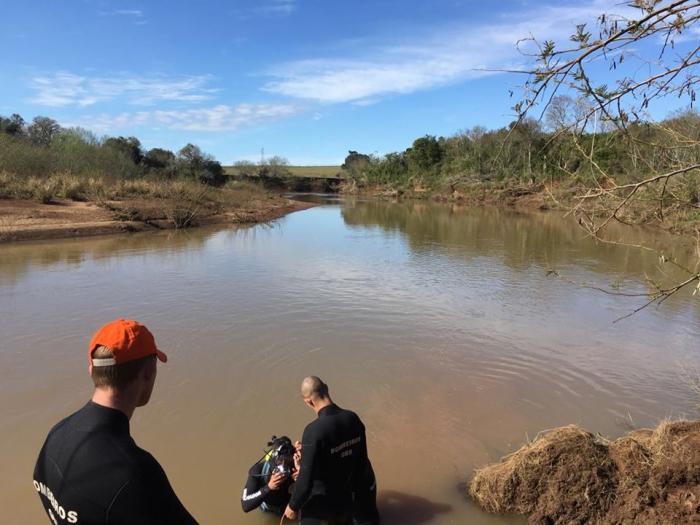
x=438, y=325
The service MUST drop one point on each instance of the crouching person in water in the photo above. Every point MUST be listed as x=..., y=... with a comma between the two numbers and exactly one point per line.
x=270, y=480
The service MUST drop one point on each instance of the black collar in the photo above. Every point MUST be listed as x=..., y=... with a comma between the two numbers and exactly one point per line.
x=329, y=410
x=101, y=416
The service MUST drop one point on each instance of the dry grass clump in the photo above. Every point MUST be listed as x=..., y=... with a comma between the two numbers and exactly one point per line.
x=180, y=202
x=565, y=476
x=570, y=476
x=185, y=202
x=48, y=190
x=659, y=475
x=64, y=185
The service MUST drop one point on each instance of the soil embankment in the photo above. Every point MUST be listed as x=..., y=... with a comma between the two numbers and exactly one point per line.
x=534, y=197
x=29, y=220
x=568, y=475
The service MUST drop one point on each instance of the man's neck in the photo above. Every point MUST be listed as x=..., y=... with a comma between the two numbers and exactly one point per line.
x=323, y=403
x=111, y=399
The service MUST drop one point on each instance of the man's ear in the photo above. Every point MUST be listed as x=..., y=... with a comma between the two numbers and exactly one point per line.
x=149, y=370
x=90, y=369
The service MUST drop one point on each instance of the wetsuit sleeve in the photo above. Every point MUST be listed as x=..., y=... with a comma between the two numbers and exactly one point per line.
x=255, y=490
x=302, y=488
x=148, y=499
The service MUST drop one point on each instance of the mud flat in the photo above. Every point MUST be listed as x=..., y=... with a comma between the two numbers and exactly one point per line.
x=27, y=220
x=568, y=475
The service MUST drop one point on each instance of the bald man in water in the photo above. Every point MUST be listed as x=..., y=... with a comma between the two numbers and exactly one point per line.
x=334, y=462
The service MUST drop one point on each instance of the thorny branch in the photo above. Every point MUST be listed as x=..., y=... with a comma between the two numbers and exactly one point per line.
x=665, y=157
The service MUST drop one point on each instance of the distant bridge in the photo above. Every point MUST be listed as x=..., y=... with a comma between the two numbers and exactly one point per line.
x=296, y=178
x=309, y=172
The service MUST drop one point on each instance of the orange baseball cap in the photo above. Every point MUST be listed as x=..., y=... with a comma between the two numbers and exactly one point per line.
x=128, y=340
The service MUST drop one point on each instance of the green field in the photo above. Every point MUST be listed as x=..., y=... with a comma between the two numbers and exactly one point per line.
x=316, y=172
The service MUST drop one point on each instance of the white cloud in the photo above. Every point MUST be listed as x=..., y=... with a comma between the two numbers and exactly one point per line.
x=137, y=13
x=68, y=89
x=445, y=57
x=283, y=7
x=129, y=12
x=268, y=8
x=214, y=119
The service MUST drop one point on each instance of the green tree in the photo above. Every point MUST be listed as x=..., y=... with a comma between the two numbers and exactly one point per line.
x=275, y=167
x=13, y=125
x=355, y=163
x=200, y=166
x=212, y=173
x=192, y=157
x=425, y=153
x=42, y=130
x=128, y=146
x=246, y=168
x=158, y=158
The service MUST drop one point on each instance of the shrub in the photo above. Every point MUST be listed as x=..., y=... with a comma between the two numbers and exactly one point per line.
x=44, y=190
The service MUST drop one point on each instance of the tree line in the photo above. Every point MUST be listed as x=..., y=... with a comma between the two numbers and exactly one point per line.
x=42, y=147
x=532, y=151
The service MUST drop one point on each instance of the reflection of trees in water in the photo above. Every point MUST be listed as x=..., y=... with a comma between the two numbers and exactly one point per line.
x=16, y=259
x=519, y=240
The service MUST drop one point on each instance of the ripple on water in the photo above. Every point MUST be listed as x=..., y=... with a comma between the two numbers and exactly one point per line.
x=437, y=325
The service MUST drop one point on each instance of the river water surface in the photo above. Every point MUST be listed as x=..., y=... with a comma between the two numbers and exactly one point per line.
x=439, y=326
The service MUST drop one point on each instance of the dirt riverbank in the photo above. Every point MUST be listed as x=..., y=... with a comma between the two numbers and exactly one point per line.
x=29, y=220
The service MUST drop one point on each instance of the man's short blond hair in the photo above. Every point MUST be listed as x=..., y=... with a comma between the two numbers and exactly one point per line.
x=313, y=387
x=115, y=376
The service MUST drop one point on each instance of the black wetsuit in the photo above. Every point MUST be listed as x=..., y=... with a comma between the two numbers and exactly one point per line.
x=333, y=461
x=364, y=506
x=90, y=471
x=257, y=494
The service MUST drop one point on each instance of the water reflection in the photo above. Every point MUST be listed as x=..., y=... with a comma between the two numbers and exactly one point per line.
x=523, y=240
x=18, y=258
x=436, y=324
x=398, y=508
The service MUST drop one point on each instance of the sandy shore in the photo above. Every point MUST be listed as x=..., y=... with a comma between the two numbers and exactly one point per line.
x=28, y=220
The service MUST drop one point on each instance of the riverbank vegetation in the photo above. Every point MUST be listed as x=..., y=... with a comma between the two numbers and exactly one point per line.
x=116, y=180
x=622, y=167
x=42, y=148
x=546, y=158
x=583, y=134
x=581, y=140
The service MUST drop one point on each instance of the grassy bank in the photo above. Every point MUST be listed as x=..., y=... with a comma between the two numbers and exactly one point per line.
x=58, y=181
x=64, y=205
x=642, y=173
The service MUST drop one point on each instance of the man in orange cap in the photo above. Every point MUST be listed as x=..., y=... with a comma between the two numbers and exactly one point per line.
x=90, y=470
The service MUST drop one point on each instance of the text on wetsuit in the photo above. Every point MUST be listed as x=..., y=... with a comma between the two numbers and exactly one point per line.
x=71, y=516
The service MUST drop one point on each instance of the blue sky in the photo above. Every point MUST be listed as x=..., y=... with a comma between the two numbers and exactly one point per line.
x=305, y=79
